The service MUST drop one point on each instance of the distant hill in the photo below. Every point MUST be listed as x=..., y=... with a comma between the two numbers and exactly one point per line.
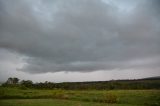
x=152, y=78
x=144, y=83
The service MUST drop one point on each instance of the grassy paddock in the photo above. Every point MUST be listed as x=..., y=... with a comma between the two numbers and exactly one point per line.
x=86, y=98
x=53, y=102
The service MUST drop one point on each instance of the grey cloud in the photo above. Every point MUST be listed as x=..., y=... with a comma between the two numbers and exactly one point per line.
x=79, y=35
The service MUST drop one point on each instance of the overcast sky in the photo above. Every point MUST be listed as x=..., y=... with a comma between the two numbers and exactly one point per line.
x=79, y=40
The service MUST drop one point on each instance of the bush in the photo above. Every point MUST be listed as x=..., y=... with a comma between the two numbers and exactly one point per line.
x=23, y=87
x=110, y=98
x=106, y=98
x=60, y=95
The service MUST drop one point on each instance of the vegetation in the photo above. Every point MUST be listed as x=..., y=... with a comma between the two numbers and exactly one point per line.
x=152, y=83
x=130, y=97
x=12, y=81
x=106, y=93
x=53, y=102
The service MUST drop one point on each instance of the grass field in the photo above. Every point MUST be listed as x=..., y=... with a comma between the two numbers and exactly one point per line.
x=34, y=97
x=53, y=102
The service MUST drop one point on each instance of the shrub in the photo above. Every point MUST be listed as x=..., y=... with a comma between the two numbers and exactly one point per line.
x=110, y=98
x=60, y=95
x=22, y=87
x=106, y=98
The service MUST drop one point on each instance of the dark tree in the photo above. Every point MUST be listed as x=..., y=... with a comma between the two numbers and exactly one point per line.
x=12, y=81
x=27, y=83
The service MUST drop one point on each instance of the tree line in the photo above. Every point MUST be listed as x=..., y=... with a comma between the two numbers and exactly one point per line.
x=96, y=85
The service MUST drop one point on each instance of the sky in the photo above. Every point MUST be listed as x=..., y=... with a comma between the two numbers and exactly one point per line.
x=79, y=40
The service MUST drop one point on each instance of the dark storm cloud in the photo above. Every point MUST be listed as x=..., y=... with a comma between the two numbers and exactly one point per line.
x=80, y=35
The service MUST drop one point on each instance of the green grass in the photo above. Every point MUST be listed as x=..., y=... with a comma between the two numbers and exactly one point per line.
x=52, y=102
x=34, y=97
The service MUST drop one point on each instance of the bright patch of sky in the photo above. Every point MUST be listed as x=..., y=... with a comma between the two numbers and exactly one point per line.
x=123, y=5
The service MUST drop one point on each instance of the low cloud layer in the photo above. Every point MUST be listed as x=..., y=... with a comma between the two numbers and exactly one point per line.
x=81, y=35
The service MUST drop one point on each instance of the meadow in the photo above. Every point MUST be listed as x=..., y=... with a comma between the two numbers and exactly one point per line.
x=57, y=97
